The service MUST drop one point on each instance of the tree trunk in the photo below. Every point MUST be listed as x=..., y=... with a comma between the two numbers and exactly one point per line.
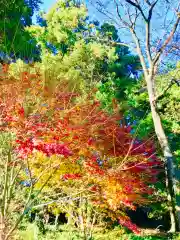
x=2, y=228
x=168, y=157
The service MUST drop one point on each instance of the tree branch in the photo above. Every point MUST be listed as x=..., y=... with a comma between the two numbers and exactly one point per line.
x=139, y=51
x=148, y=24
x=113, y=43
x=148, y=48
x=119, y=15
x=171, y=83
x=134, y=35
x=147, y=1
x=167, y=41
x=138, y=7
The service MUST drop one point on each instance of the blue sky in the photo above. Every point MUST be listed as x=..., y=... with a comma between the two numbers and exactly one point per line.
x=45, y=6
x=48, y=3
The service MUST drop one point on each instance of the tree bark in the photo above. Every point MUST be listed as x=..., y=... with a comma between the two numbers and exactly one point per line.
x=168, y=157
x=2, y=228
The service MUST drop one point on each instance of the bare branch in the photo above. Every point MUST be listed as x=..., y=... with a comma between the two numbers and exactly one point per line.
x=107, y=14
x=119, y=15
x=171, y=83
x=148, y=24
x=139, y=51
x=113, y=43
x=168, y=40
x=151, y=10
x=136, y=39
x=138, y=7
x=147, y=1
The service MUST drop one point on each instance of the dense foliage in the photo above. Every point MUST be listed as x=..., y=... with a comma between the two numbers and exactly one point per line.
x=15, y=42
x=76, y=133
x=86, y=152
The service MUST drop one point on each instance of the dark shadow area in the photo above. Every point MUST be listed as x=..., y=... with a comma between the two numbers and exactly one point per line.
x=141, y=219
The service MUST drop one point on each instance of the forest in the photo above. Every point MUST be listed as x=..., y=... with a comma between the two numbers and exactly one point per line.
x=90, y=120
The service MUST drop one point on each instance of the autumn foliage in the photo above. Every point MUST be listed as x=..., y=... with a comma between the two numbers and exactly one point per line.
x=88, y=147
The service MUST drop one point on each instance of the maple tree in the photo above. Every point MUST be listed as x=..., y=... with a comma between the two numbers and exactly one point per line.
x=74, y=146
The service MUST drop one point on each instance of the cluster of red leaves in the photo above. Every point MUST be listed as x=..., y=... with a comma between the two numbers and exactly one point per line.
x=127, y=223
x=82, y=131
x=71, y=176
x=25, y=148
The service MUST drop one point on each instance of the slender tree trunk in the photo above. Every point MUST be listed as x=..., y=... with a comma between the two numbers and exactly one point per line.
x=2, y=228
x=168, y=157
